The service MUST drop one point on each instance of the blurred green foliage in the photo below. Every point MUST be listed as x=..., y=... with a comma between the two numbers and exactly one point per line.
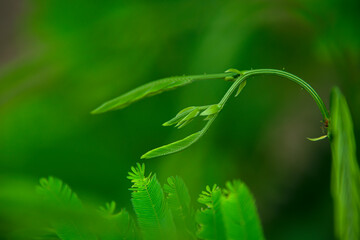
x=69, y=56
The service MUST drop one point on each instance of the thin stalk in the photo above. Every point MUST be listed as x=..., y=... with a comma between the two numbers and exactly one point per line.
x=246, y=74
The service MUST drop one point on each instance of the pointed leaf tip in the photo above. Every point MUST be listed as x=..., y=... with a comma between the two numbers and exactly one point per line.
x=172, y=147
x=241, y=87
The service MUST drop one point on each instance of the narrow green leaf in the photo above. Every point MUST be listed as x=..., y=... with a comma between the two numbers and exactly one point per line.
x=173, y=147
x=211, y=110
x=317, y=139
x=241, y=87
x=153, y=214
x=154, y=88
x=239, y=212
x=345, y=170
x=179, y=116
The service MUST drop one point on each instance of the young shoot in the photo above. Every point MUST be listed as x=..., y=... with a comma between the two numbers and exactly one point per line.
x=210, y=112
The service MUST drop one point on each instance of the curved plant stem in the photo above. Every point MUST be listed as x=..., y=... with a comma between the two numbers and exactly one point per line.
x=246, y=74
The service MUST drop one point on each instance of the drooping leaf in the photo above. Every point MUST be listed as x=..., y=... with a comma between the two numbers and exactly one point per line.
x=239, y=213
x=180, y=144
x=210, y=219
x=154, y=88
x=148, y=200
x=59, y=195
x=173, y=147
x=117, y=225
x=345, y=170
x=179, y=202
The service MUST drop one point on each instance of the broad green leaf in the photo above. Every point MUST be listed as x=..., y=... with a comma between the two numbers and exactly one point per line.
x=317, y=139
x=58, y=194
x=241, y=87
x=239, y=212
x=211, y=110
x=173, y=147
x=154, y=88
x=345, y=170
x=179, y=202
x=210, y=219
x=147, y=197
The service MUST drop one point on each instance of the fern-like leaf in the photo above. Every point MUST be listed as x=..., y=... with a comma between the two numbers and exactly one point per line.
x=154, y=88
x=345, y=170
x=179, y=202
x=211, y=219
x=59, y=196
x=118, y=225
x=153, y=214
x=240, y=214
x=230, y=214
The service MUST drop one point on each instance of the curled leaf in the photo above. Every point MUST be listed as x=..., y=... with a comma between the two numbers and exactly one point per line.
x=317, y=139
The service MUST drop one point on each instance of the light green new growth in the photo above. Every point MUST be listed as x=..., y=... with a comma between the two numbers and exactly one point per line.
x=230, y=213
x=147, y=197
x=180, y=205
x=58, y=194
x=210, y=112
x=345, y=170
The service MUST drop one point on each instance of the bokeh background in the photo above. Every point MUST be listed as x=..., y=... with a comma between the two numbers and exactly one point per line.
x=60, y=59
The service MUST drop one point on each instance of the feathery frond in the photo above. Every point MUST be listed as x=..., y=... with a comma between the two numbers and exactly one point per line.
x=153, y=214
x=58, y=194
x=211, y=219
x=118, y=225
x=239, y=212
x=179, y=203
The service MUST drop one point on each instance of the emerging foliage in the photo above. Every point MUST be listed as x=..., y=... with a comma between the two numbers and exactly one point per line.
x=179, y=202
x=230, y=213
x=118, y=225
x=58, y=194
x=240, y=214
x=153, y=214
x=210, y=112
x=345, y=170
x=211, y=219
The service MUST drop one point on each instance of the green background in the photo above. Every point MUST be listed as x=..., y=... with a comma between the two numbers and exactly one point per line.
x=61, y=59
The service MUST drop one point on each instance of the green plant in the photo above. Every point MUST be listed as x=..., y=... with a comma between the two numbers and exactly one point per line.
x=338, y=125
x=160, y=212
